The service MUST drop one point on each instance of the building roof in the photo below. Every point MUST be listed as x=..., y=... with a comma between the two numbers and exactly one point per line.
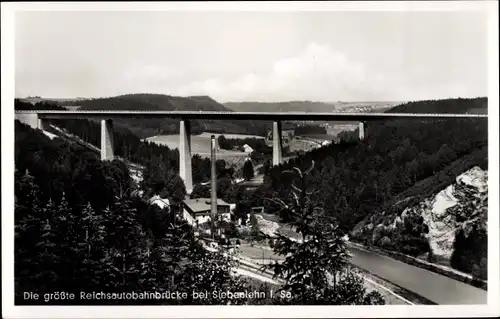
x=161, y=202
x=202, y=204
x=248, y=148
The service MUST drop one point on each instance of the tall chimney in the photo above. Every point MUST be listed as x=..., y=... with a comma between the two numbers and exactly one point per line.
x=213, y=189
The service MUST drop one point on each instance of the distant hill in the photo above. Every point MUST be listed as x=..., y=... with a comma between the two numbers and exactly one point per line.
x=207, y=103
x=309, y=106
x=23, y=105
x=457, y=106
x=151, y=102
x=61, y=101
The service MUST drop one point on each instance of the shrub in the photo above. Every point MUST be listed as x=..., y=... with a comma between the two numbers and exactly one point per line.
x=244, y=233
x=385, y=242
x=425, y=228
x=481, y=270
x=431, y=257
x=470, y=253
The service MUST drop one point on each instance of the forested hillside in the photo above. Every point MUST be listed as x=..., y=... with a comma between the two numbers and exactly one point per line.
x=457, y=106
x=25, y=106
x=398, y=160
x=160, y=162
x=159, y=102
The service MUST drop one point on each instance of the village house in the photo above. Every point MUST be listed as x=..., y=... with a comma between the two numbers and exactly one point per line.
x=198, y=211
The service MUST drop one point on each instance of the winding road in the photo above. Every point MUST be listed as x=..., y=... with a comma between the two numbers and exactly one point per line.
x=437, y=288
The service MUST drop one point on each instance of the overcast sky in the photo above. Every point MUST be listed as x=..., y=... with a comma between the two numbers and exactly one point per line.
x=253, y=56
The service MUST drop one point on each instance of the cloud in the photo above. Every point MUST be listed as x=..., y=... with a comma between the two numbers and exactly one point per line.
x=151, y=78
x=317, y=73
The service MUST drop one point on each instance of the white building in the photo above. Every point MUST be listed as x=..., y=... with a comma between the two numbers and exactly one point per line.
x=198, y=211
x=247, y=148
x=160, y=202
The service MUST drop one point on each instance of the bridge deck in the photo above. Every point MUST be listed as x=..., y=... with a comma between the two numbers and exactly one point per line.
x=270, y=116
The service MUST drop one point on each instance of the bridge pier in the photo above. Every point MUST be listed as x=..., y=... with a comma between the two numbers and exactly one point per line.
x=361, y=131
x=107, y=143
x=277, y=143
x=42, y=124
x=185, y=168
x=32, y=120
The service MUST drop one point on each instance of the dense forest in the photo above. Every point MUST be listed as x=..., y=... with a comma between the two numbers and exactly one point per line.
x=310, y=130
x=78, y=228
x=399, y=159
x=44, y=105
x=456, y=106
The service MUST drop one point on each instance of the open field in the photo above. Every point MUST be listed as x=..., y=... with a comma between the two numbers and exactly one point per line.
x=200, y=144
x=208, y=135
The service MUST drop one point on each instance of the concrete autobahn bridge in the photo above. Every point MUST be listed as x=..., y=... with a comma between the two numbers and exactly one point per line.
x=37, y=119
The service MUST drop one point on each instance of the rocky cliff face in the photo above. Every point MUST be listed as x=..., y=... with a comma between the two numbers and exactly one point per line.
x=462, y=205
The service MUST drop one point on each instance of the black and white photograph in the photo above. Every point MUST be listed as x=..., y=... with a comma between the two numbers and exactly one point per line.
x=242, y=155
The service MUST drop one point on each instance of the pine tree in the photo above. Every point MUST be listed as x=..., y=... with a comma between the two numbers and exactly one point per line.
x=27, y=194
x=129, y=245
x=314, y=268
x=47, y=258
x=175, y=253
x=65, y=224
x=176, y=189
x=92, y=249
x=457, y=259
x=255, y=229
x=209, y=271
x=248, y=173
x=27, y=232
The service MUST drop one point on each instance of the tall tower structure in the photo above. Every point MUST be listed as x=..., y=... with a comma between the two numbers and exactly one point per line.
x=213, y=182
